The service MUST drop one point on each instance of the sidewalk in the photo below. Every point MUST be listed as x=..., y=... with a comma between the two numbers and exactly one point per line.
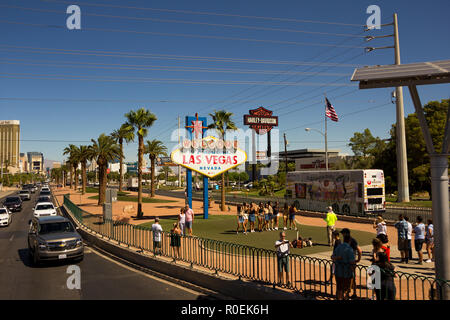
x=127, y=210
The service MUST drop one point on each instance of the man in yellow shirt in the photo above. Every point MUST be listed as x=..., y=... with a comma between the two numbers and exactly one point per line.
x=331, y=222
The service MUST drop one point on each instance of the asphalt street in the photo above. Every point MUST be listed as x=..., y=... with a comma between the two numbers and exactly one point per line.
x=101, y=277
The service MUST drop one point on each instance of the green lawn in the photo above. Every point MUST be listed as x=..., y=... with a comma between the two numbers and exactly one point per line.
x=391, y=201
x=135, y=199
x=223, y=228
x=95, y=190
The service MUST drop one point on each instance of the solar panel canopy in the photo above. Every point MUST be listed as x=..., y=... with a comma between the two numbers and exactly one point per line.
x=403, y=74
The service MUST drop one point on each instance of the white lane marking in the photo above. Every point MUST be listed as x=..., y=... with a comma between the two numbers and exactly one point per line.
x=145, y=274
x=12, y=237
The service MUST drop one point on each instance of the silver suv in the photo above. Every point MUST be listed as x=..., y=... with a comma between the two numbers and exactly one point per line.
x=54, y=238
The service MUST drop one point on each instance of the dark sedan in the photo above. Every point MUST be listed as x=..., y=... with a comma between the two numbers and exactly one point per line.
x=13, y=204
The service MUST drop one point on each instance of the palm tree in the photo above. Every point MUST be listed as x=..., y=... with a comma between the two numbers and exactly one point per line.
x=154, y=148
x=140, y=119
x=103, y=150
x=221, y=123
x=64, y=174
x=125, y=132
x=73, y=152
x=83, y=157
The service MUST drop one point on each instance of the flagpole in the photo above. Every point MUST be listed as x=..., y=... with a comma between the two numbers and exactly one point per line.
x=326, y=142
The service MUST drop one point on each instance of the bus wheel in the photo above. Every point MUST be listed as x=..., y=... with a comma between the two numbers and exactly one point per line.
x=346, y=209
x=335, y=207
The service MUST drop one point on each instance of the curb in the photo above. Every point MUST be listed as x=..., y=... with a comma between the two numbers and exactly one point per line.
x=237, y=289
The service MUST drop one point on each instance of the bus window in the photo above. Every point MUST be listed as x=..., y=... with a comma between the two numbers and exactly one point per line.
x=374, y=191
x=375, y=200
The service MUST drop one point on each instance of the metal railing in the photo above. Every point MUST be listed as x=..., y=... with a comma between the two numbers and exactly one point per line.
x=390, y=214
x=307, y=275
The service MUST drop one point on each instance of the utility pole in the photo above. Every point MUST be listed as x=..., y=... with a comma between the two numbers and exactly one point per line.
x=402, y=164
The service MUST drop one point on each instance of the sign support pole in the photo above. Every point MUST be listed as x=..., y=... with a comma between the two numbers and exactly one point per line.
x=205, y=197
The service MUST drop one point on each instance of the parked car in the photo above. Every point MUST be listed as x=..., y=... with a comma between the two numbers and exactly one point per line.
x=54, y=238
x=13, y=203
x=5, y=217
x=44, y=209
x=25, y=194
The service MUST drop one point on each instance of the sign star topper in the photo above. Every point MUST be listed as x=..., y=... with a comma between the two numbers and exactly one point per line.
x=197, y=126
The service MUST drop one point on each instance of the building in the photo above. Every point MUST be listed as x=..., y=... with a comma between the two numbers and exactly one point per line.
x=10, y=143
x=35, y=162
x=56, y=165
x=115, y=167
x=23, y=163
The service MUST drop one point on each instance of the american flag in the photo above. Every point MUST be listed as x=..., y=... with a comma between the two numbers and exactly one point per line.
x=330, y=112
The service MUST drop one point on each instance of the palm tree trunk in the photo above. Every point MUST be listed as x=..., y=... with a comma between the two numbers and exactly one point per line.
x=140, y=161
x=121, y=164
x=152, y=194
x=71, y=177
x=102, y=181
x=83, y=177
x=75, y=176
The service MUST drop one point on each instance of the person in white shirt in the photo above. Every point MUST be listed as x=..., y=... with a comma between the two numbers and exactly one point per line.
x=282, y=247
x=419, y=237
x=157, y=233
x=380, y=225
x=182, y=220
x=409, y=237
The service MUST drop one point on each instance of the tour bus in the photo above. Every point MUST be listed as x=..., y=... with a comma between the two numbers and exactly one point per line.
x=351, y=192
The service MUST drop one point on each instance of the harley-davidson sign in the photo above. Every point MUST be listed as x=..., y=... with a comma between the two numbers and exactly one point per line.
x=209, y=156
x=261, y=120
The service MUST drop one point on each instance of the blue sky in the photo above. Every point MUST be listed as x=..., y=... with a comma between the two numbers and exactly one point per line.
x=68, y=86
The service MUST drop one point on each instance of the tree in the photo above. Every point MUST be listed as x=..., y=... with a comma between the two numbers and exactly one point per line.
x=140, y=120
x=366, y=148
x=383, y=152
x=221, y=123
x=124, y=133
x=155, y=149
x=83, y=157
x=74, y=153
x=103, y=150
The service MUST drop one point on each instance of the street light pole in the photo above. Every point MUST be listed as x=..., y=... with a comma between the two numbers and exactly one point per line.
x=326, y=143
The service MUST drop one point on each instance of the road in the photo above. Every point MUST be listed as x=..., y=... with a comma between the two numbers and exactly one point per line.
x=101, y=277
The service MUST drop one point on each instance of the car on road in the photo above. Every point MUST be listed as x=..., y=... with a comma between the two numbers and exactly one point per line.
x=44, y=209
x=13, y=203
x=5, y=217
x=45, y=194
x=25, y=194
x=45, y=189
x=43, y=199
x=54, y=238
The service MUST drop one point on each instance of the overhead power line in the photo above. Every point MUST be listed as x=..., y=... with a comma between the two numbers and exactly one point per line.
x=140, y=55
x=207, y=13
x=190, y=22
x=184, y=35
x=161, y=80
x=341, y=116
x=116, y=66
